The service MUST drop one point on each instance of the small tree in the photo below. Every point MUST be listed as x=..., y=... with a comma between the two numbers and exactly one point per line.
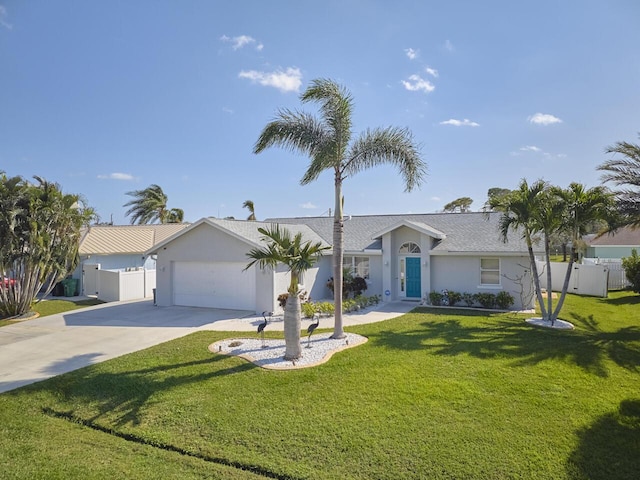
x=631, y=267
x=462, y=204
x=298, y=257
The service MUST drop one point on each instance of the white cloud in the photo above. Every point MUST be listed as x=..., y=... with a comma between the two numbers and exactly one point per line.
x=416, y=83
x=544, y=119
x=411, y=53
x=460, y=123
x=530, y=148
x=431, y=71
x=308, y=205
x=241, y=41
x=3, y=18
x=448, y=46
x=288, y=81
x=117, y=176
x=435, y=199
x=227, y=110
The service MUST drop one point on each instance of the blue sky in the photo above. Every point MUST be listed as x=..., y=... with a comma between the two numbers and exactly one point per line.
x=109, y=97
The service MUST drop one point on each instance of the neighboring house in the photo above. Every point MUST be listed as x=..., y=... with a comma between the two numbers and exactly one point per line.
x=613, y=246
x=120, y=247
x=402, y=257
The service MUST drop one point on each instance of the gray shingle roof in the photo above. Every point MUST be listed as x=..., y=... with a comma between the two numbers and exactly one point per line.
x=465, y=232
x=248, y=230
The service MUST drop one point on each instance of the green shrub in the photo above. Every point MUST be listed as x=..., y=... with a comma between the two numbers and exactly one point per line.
x=435, y=298
x=326, y=308
x=486, y=299
x=469, y=299
x=631, y=267
x=309, y=309
x=504, y=300
x=351, y=286
x=454, y=297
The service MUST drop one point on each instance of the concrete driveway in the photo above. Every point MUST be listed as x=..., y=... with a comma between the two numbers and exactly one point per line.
x=38, y=349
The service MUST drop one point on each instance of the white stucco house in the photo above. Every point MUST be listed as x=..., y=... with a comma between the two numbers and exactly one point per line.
x=402, y=257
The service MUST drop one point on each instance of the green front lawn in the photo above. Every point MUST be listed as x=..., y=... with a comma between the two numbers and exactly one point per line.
x=434, y=394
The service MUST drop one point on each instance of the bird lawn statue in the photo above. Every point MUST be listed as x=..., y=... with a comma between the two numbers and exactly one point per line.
x=311, y=328
x=262, y=326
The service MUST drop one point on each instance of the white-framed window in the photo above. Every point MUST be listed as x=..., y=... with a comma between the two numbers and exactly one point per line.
x=358, y=266
x=490, y=271
x=409, y=247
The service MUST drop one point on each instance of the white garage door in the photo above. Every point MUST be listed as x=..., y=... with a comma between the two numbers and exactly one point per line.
x=217, y=285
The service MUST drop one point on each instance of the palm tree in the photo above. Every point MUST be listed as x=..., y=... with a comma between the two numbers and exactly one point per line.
x=581, y=209
x=545, y=210
x=150, y=205
x=625, y=171
x=298, y=257
x=248, y=204
x=328, y=141
x=39, y=238
x=520, y=210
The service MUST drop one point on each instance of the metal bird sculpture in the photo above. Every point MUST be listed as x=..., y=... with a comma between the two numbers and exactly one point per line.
x=262, y=326
x=311, y=328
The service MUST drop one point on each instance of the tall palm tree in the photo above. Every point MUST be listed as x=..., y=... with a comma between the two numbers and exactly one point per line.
x=298, y=257
x=150, y=205
x=248, y=204
x=625, y=171
x=329, y=142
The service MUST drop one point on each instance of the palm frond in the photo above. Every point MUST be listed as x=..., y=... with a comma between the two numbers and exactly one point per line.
x=391, y=145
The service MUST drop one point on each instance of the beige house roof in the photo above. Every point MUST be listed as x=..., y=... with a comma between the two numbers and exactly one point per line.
x=125, y=239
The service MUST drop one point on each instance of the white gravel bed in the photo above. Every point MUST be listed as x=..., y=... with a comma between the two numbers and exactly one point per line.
x=270, y=353
x=558, y=324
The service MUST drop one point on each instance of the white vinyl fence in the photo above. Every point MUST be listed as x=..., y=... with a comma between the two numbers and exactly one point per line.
x=617, y=277
x=589, y=280
x=118, y=285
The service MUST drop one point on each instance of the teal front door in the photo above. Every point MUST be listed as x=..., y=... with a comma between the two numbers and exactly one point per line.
x=413, y=278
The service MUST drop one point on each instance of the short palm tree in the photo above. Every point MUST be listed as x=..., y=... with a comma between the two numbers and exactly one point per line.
x=520, y=209
x=248, y=204
x=625, y=171
x=540, y=209
x=150, y=205
x=298, y=257
x=581, y=208
x=329, y=142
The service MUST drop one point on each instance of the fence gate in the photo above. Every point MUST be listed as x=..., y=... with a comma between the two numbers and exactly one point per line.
x=617, y=277
x=90, y=278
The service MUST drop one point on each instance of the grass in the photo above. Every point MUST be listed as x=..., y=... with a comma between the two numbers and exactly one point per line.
x=433, y=394
x=51, y=307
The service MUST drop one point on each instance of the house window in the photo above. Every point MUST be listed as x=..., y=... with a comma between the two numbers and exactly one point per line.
x=489, y=271
x=358, y=266
x=409, y=247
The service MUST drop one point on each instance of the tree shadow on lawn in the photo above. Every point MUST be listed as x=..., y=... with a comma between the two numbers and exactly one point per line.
x=610, y=447
x=627, y=300
x=121, y=395
x=587, y=347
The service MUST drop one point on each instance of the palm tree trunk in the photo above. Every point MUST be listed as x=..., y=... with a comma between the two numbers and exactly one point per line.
x=338, y=244
x=565, y=287
x=536, y=278
x=292, y=326
x=549, y=291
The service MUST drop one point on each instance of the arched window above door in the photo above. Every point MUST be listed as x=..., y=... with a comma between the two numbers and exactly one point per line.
x=409, y=247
